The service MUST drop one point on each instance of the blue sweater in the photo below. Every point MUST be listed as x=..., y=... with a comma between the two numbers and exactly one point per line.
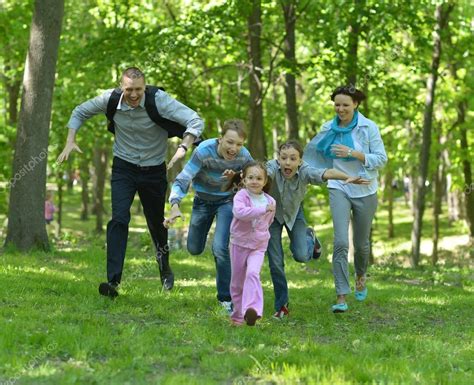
x=204, y=169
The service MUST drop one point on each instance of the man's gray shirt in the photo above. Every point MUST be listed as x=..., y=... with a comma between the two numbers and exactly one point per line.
x=138, y=139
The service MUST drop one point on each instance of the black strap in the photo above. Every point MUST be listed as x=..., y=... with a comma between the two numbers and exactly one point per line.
x=173, y=128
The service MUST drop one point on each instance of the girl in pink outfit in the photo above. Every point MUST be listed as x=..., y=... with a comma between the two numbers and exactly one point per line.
x=49, y=208
x=253, y=212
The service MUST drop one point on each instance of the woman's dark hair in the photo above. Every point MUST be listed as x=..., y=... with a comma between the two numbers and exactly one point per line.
x=350, y=90
x=236, y=182
x=291, y=144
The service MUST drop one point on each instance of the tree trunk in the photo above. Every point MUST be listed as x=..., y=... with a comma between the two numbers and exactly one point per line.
x=256, y=138
x=389, y=199
x=100, y=164
x=289, y=12
x=13, y=89
x=466, y=167
x=388, y=185
x=26, y=224
x=442, y=14
x=60, y=184
x=85, y=177
x=437, y=199
x=354, y=31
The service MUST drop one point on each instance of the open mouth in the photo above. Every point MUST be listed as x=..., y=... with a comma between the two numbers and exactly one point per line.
x=287, y=171
x=230, y=155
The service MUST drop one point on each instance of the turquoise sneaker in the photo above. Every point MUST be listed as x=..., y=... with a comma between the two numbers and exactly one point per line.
x=361, y=295
x=340, y=308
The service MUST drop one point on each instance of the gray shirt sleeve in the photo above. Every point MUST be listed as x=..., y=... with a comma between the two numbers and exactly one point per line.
x=171, y=109
x=312, y=175
x=88, y=109
x=272, y=168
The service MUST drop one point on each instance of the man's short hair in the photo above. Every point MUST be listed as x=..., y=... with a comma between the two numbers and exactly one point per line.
x=133, y=73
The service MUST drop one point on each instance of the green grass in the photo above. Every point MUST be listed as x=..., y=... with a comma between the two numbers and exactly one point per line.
x=416, y=326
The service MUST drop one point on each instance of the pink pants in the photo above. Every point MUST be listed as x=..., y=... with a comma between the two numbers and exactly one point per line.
x=245, y=286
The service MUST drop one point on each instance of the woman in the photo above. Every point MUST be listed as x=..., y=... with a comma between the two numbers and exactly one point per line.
x=352, y=144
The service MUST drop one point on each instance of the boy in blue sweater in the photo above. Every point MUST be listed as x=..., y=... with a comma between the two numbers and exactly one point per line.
x=211, y=165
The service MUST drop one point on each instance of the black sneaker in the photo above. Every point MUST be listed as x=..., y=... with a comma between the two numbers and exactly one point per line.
x=167, y=280
x=318, y=248
x=108, y=289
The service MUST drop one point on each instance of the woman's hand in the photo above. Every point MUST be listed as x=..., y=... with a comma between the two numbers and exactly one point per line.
x=357, y=180
x=340, y=150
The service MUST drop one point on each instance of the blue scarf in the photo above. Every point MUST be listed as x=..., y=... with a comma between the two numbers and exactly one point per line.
x=338, y=135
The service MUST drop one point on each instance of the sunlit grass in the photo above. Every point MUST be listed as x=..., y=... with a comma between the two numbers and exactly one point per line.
x=416, y=326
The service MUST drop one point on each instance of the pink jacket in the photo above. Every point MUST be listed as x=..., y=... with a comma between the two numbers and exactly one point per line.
x=49, y=210
x=249, y=227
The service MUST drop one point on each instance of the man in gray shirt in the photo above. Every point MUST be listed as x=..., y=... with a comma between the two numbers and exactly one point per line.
x=139, y=150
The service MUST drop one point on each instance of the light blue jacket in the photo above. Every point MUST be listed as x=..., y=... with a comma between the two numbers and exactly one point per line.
x=368, y=135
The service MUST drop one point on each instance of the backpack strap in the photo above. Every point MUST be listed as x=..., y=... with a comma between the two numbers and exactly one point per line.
x=112, y=108
x=173, y=128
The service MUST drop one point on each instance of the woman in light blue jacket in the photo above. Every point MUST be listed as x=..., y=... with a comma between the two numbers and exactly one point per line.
x=352, y=144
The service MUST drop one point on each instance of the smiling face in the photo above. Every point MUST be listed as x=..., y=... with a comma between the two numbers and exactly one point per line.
x=133, y=90
x=230, y=145
x=344, y=107
x=255, y=179
x=289, y=159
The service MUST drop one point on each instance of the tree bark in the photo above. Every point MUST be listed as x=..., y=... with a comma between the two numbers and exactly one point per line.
x=441, y=15
x=100, y=164
x=13, y=89
x=60, y=186
x=437, y=199
x=26, y=224
x=353, y=44
x=256, y=138
x=466, y=167
x=289, y=13
x=85, y=177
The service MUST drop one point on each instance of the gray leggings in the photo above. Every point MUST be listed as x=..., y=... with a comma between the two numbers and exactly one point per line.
x=363, y=211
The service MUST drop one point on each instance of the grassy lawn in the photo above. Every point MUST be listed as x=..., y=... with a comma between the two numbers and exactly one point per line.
x=416, y=326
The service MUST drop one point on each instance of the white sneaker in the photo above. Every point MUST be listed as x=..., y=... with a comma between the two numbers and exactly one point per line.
x=227, y=306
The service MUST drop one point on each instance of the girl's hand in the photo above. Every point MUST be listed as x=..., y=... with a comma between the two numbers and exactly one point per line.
x=271, y=207
x=340, y=150
x=357, y=180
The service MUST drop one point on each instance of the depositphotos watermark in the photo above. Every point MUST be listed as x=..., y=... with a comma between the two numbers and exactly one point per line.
x=32, y=363
x=28, y=167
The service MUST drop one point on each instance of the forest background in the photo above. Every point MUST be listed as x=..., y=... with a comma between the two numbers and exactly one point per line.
x=273, y=64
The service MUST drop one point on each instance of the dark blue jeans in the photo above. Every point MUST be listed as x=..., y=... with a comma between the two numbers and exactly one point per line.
x=202, y=216
x=151, y=183
x=301, y=246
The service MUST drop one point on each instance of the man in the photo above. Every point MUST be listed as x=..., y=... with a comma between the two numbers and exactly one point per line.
x=209, y=170
x=139, y=149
